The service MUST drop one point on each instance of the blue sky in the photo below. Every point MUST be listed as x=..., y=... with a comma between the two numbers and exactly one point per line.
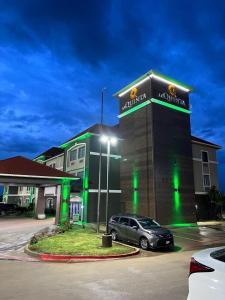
x=56, y=56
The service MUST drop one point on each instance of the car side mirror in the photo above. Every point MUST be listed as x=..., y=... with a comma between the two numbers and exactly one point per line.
x=135, y=227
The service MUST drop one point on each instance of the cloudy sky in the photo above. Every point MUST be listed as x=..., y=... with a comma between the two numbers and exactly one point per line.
x=56, y=56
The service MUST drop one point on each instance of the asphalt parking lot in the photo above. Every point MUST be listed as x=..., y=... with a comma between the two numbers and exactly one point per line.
x=193, y=238
x=152, y=275
x=15, y=232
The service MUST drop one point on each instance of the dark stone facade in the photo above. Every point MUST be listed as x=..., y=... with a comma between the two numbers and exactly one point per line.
x=156, y=149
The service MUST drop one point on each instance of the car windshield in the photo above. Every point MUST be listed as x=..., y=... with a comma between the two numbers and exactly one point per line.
x=147, y=223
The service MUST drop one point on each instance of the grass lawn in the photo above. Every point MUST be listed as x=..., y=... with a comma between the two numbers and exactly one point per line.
x=77, y=241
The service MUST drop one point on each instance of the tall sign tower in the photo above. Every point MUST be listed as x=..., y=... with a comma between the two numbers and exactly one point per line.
x=156, y=167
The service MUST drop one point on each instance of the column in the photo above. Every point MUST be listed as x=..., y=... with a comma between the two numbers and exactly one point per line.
x=65, y=196
x=40, y=203
x=58, y=204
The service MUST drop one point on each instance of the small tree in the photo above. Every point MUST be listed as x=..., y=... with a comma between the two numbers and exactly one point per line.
x=217, y=198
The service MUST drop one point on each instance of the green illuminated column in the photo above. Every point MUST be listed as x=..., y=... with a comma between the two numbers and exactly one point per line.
x=64, y=213
x=135, y=190
x=176, y=185
x=5, y=193
x=85, y=196
x=31, y=194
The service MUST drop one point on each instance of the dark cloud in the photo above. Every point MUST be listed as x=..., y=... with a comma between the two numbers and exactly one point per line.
x=56, y=56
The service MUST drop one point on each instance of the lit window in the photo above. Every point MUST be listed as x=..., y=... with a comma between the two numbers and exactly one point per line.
x=81, y=152
x=73, y=155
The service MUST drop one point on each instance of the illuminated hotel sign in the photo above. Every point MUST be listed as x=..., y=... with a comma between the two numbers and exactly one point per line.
x=154, y=88
x=135, y=96
x=134, y=100
x=169, y=93
x=171, y=96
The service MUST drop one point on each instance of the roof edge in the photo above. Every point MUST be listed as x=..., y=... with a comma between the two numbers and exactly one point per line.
x=206, y=143
x=149, y=73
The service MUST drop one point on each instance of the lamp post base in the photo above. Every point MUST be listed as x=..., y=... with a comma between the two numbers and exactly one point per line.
x=106, y=240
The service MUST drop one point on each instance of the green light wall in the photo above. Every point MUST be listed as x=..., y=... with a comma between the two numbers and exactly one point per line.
x=168, y=105
x=134, y=109
x=5, y=194
x=78, y=139
x=176, y=186
x=85, y=194
x=65, y=201
x=135, y=190
x=31, y=194
x=183, y=225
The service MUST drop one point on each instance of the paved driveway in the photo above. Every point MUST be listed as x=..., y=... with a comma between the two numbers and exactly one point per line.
x=150, y=278
x=15, y=232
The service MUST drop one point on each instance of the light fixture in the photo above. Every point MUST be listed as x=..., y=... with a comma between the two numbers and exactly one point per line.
x=104, y=139
x=133, y=86
x=169, y=82
x=113, y=140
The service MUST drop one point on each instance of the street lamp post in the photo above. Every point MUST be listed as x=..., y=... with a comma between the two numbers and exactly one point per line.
x=108, y=141
x=107, y=186
x=100, y=163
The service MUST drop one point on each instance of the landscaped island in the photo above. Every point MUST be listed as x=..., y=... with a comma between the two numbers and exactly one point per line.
x=77, y=241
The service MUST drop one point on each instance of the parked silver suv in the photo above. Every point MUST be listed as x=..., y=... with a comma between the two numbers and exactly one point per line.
x=140, y=230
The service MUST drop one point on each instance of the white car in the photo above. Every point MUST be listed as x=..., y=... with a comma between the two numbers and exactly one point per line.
x=207, y=275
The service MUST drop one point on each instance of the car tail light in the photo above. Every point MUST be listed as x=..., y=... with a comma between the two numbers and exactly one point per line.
x=196, y=267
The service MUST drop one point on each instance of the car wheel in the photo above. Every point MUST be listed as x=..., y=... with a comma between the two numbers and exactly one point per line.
x=171, y=247
x=144, y=244
x=114, y=235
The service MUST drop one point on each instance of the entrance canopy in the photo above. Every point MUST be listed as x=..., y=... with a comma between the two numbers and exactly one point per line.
x=19, y=170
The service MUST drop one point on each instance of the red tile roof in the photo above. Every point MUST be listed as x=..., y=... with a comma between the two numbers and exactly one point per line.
x=20, y=165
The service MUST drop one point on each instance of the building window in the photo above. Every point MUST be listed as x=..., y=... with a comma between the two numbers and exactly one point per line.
x=205, y=168
x=20, y=188
x=80, y=174
x=81, y=152
x=73, y=155
x=206, y=180
x=28, y=188
x=52, y=166
x=205, y=156
x=206, y=171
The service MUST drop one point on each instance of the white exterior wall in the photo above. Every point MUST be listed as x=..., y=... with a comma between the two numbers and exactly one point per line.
x=75, y=166
x=57, y=161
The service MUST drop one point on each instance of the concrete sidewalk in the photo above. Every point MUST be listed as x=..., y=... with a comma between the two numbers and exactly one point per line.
x=15, y=232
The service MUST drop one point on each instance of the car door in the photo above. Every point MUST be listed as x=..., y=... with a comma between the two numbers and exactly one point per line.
x=133, y=231
x=122, y=228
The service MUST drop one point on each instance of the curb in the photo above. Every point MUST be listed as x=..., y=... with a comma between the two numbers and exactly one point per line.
x=18, y=258
x=78, y=258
